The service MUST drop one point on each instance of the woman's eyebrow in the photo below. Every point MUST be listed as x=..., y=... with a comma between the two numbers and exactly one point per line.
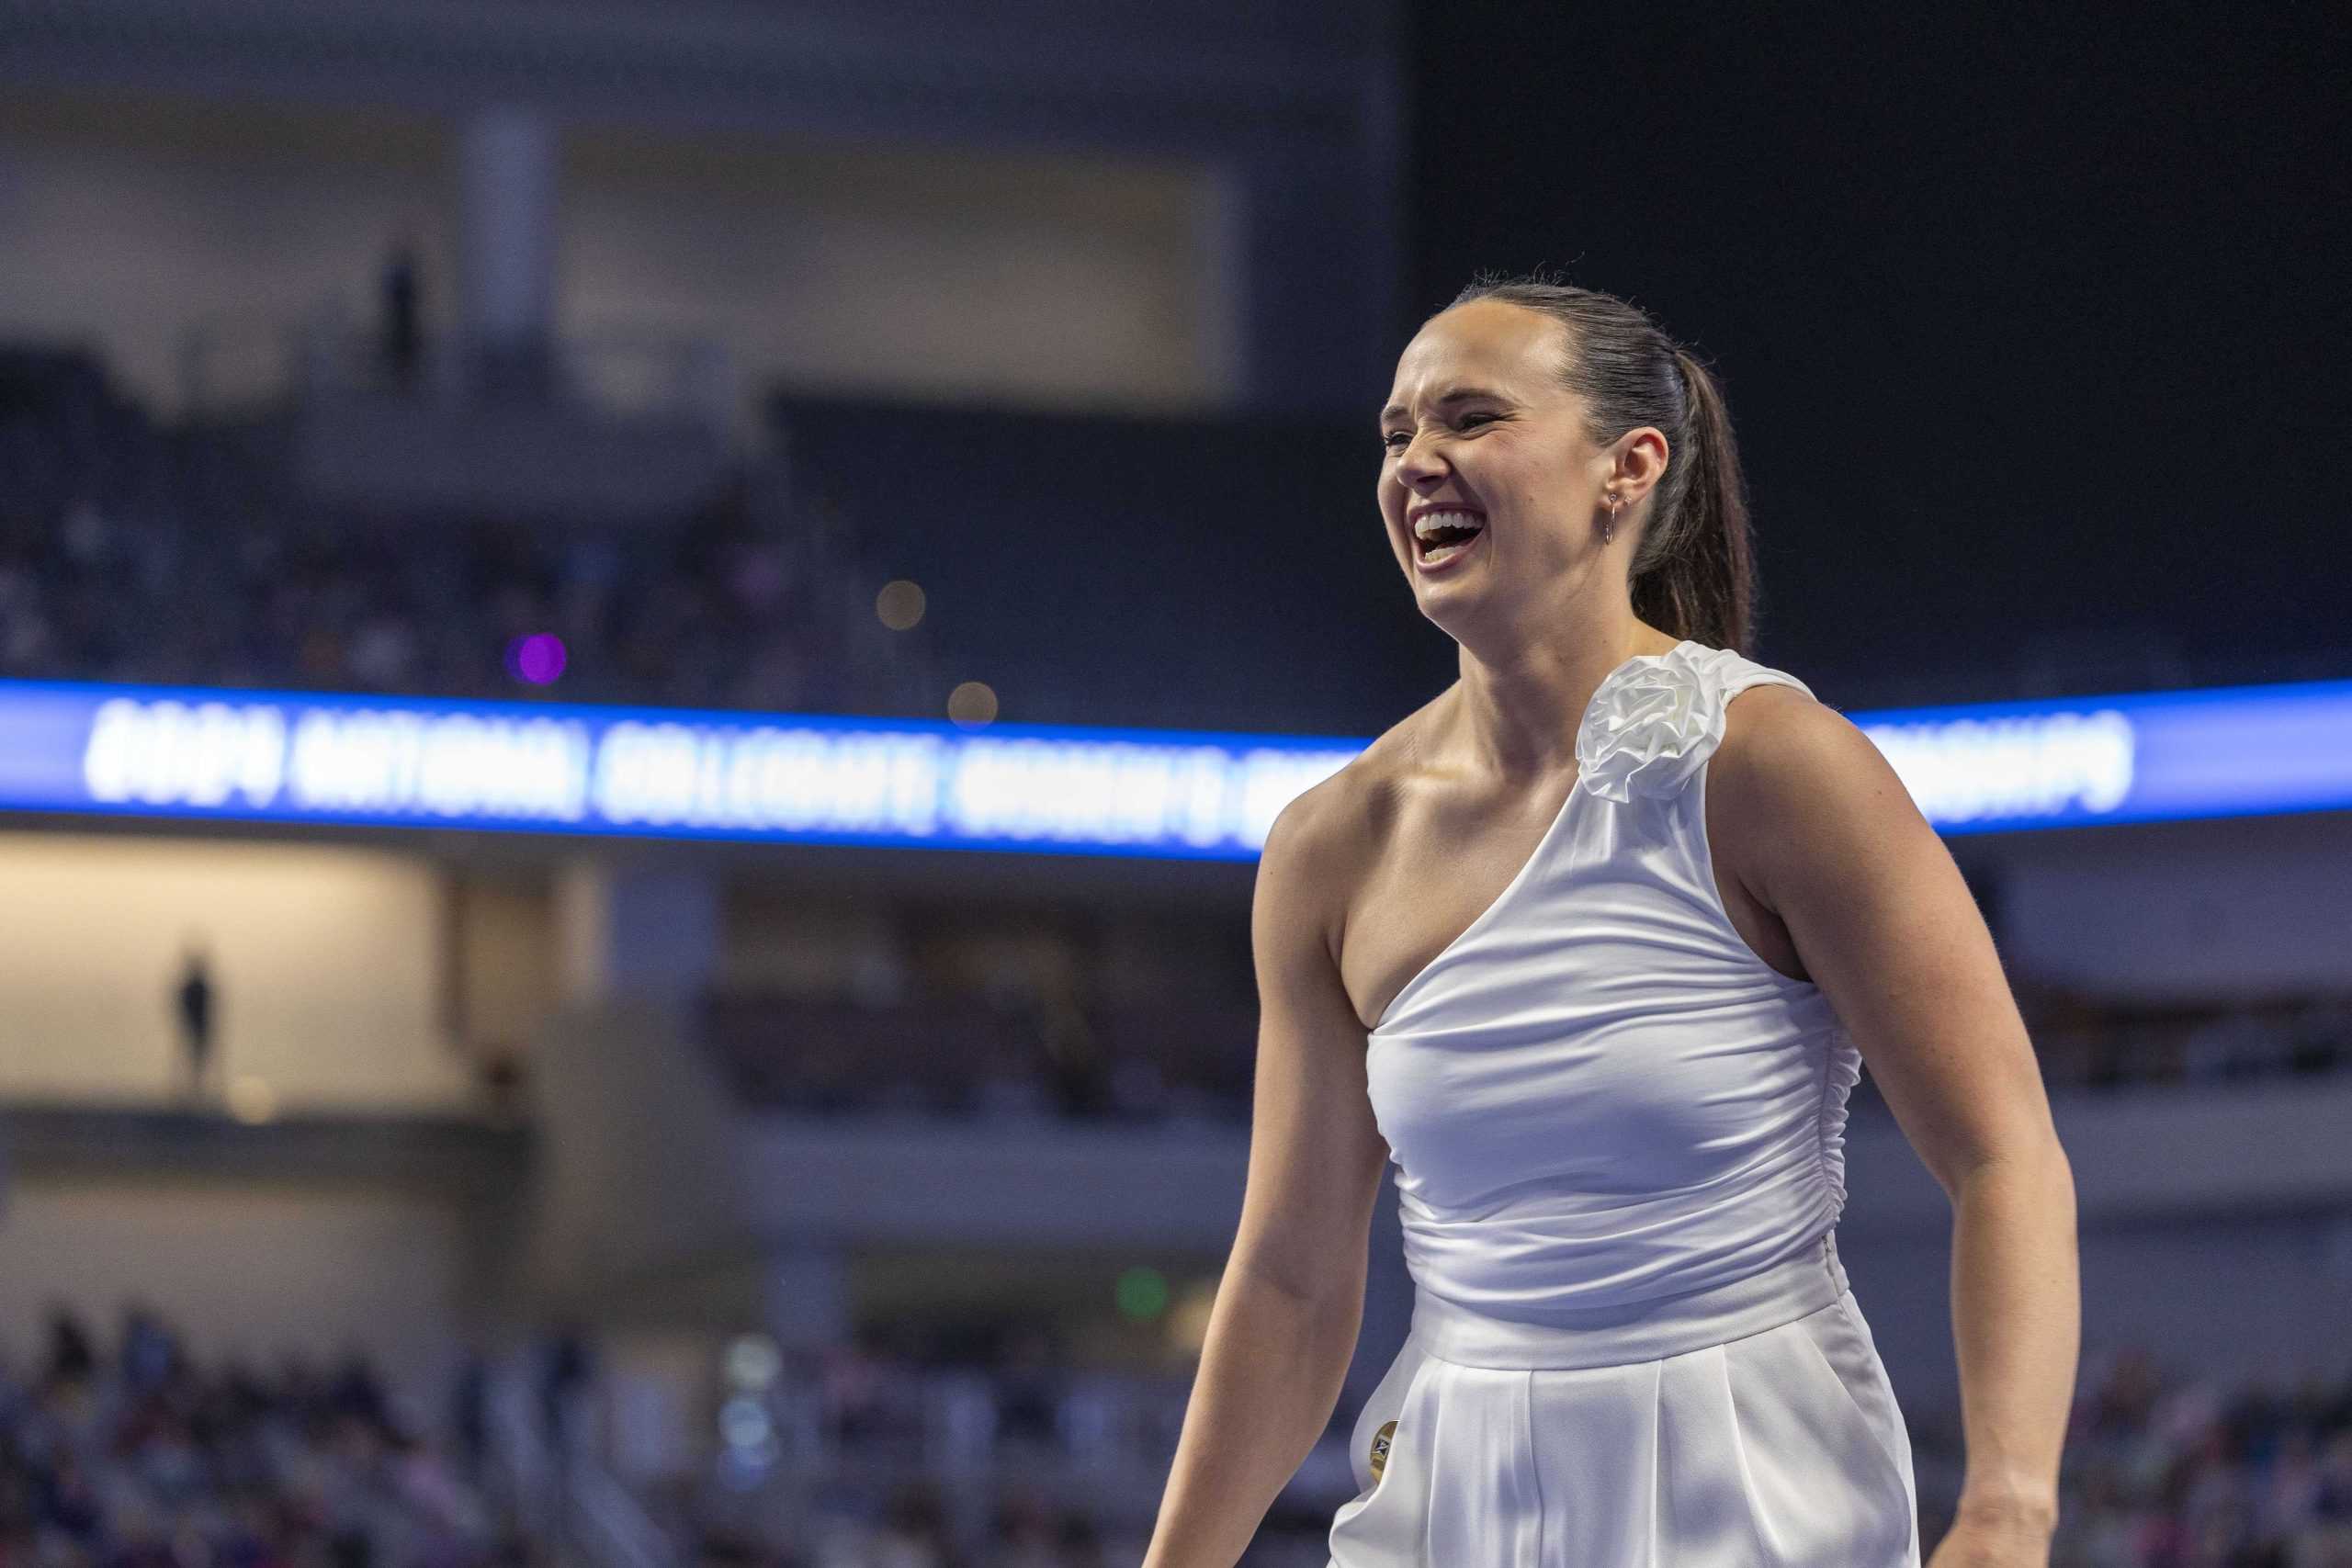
x=1458, y=395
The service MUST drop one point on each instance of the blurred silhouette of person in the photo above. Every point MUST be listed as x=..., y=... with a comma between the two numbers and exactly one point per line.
x=72, y=1356
x=148, y=1350
x=470, y=1412
x=501, y=1074
x=1025, y=1533
x=914, y=1529
x=1080, y=1073
x=564, y=1374
x=1029, y=1387
x=1082, y=1541
x=401, y=328
x=356, y=1393
x=192, y=999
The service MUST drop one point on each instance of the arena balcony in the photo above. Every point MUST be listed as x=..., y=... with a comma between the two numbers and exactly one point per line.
x=616, y=428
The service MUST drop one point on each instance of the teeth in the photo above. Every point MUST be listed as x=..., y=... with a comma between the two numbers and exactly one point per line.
x=1422, y=525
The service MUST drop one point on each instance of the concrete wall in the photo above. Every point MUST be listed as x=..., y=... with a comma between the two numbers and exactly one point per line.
x=2216, y=1223
x=126, y=223
x=2248, y=906
x=257, y=1272
x=2216, y=1231
x=326, y=962
x=1020, y=277
x=2263, y=1296
x=506, y=953
x=1054, y=280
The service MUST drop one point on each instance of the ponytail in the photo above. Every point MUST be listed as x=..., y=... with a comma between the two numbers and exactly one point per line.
x=1693, y=574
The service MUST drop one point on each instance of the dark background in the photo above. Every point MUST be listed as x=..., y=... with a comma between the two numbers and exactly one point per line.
x=2032, y=322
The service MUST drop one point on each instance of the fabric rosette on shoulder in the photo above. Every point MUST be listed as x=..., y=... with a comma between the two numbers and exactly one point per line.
x=1652, y=724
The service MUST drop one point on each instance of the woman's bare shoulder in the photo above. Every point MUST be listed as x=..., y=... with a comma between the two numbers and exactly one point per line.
x=1784, y=756
x=1338, y=826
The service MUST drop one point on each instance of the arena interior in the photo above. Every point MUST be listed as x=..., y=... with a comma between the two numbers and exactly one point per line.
x=643, y=654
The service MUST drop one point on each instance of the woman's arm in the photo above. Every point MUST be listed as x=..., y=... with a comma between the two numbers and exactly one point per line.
x=1270, y=1376
x=1829, y=840
x=1288, y=1309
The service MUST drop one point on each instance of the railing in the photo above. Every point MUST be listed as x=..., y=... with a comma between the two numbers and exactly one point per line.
x=569, y=1500
x=231, y=365
x=965, y=1057
x=1104, y=1448
x=1193, y=1061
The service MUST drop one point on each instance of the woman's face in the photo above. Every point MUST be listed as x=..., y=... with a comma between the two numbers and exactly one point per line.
x=1479, y=433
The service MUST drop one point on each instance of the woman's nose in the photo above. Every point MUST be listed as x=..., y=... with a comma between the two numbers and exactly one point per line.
x=1420, y=459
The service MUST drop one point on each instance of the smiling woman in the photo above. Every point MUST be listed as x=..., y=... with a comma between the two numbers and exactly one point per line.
x=1593, y=946
x=1484, y=369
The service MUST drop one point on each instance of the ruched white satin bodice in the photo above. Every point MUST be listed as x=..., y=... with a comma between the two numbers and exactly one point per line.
x=1599, y=1095
x=1619, y=1137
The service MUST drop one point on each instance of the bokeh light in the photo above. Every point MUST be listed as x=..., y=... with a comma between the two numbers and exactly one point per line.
x=538, y=659
x=973, y=702
x=745, y=1423
x=900, y=604
x=752, y=1362
x=1143, y=1293
x=1188, y=1318
x=252, y=1101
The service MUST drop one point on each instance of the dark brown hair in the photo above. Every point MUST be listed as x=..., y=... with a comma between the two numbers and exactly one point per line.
x=1694, y=571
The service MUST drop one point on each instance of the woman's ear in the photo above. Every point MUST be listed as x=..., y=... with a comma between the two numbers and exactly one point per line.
x=1640, y=461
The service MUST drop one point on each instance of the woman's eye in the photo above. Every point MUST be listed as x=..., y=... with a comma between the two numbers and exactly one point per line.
x=1395, y=439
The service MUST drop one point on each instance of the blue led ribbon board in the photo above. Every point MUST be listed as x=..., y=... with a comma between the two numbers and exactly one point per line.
x=2146, y=757
x=411, y=762
x=541, y=767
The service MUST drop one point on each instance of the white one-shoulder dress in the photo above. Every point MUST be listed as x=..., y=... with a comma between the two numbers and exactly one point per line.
x=1618, y=1136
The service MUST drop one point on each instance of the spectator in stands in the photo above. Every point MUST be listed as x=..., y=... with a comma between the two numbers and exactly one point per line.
x=192, y=1002
x=851, y=1391
x=1081, y=1542
x=914, y=1530
x=2321, y=1035
x=1029, y=1383
x=1008, y=1086
x=1138, y=1089
x=72, y=1360
x=566, y=1368
x=469, y=1411
x=1073, y=1050
x=357, y=1394
x=2232, y=1045
x=501, y=1069
x=133, y=1468
x=1025, y=1533
x=402, y=330
x=150, y=1353
x=133, y=553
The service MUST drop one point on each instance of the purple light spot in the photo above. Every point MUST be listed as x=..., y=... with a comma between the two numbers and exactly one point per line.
x=538, y=659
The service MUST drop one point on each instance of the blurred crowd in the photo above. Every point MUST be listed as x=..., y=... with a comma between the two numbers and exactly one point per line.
x=133, y=1457
x=947, y=1448
x=136, y=1460
x=2159, y=1472
x=2194, y=1473
x=954, y=1446
x=1190, y=1060
x=136, y=553
x=2086, y=1044
x=967, y=1058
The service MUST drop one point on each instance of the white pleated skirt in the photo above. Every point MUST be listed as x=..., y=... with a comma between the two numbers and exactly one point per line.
x=1748, y=1427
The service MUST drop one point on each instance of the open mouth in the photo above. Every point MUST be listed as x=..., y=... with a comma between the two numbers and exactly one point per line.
x=1440, y=537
